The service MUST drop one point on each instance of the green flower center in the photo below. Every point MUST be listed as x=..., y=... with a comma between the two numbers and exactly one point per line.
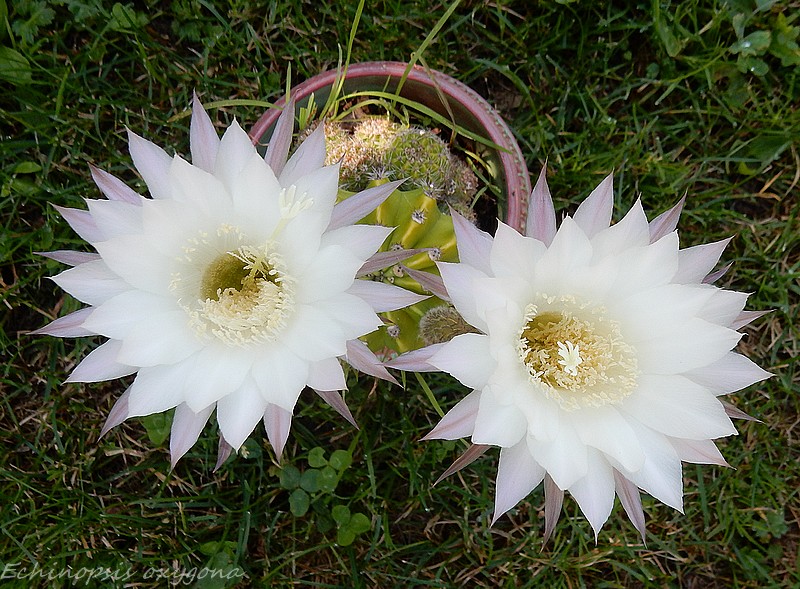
x=576, y=354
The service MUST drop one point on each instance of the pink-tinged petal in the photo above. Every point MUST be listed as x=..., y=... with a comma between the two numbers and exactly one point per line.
x=92, y=283
x=310, y=156
x=360, y=240
x=114, y=188
x=735, y=413
x=69, y=257
x=698, y=451
x=360, y=357
x=666, y=222
x=430, y=282
x=326, y=375
x=717, y=274
x=203, y=138
x=695, y=263
x=384, y=297
x=541, y=222
x=498, y=424
x=631, y=501
x=514, y=255
x=472, y=453
x=361, y=204
x=517, y=475
x=153, y=164
x=677, y=407
x=594, y=214
x=382, y=260
x=595, y=491
x=281, y=140
x=474, y=245
x=101, y=364
x=459, y=280
x=281, y=375
x=731, y=373
x=416, y=360
x=593, y=425
x=116, y=218
x=68, y=326
x=564, y=457
x=746, y=317
x=239, y=412
x=118, y=414
x=224, y=451
x=459, y=422
x=186, y=428
x=468, y=358
x=661, y=475
x=553, y=500
x=278, y=422
x=723, y=307
x=335, y=400
x=82, y=223
x=234, y=153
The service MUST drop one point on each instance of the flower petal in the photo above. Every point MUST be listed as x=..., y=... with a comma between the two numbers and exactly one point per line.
x=541, y=223
x=694, y=263
x=153, y=164
x=467, y=358
x=474, y=245
x=281, y=140
x=239, y=412
x=594, y=213
x=92, y=283
x=517, y=475
x=310, y=156
x=101, y=364
x=203, y=138
x=278, y=422
x=326, y=375
x=595, y=491
x=731, y=373
x=361, y=204
x=114, y=188
x=498, y=424
x=459, y=422
x=384, y=297
x=186, y=428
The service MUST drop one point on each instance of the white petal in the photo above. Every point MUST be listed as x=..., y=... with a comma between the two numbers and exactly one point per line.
x=116, y=218
x=459, y=422
x=135, y=259
x=101, y=364
x=466, y=357
x=696, y=262
x=384, y=297
x=498, y=424
x=203, y=138
x=565, y=457
x=186, y=428
x=199, y=191
x=239, y=412
x=594, y=213
x=606, y=430
x=639, y=269
x=689, y=346
x=361, y=240
x=731, y=373
x=313, y=335
x=677, y=407
x=515, y=255
x=234, y=153
x=354, y=316
x=474, y=245
x=631, y=231
x=631, y=501
x=160, y=339
x=256, y=199
x=459, y=279
x=595, y=491
x=212, y=373
x=310, y=156
x=326, y=375
x=568, y=254
x=69, y=257
x=157, y=389
x=541, y=223
x=153, y=164
x=281, y=376
x=661, y=474
x=115, y=317
x=517, y=475
x=724, y=306
x=92, y=283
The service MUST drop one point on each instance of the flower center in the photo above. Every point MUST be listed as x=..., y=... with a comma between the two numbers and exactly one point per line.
x=241, y=296
x=575, y=353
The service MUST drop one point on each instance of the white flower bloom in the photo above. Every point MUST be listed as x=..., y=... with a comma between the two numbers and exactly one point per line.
x=602, y=350
x=233, y=288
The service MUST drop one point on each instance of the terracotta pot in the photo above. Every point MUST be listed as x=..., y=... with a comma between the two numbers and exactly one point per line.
x=469, y=110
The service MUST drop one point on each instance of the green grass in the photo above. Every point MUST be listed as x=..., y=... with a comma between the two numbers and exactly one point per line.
x=650, y=90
